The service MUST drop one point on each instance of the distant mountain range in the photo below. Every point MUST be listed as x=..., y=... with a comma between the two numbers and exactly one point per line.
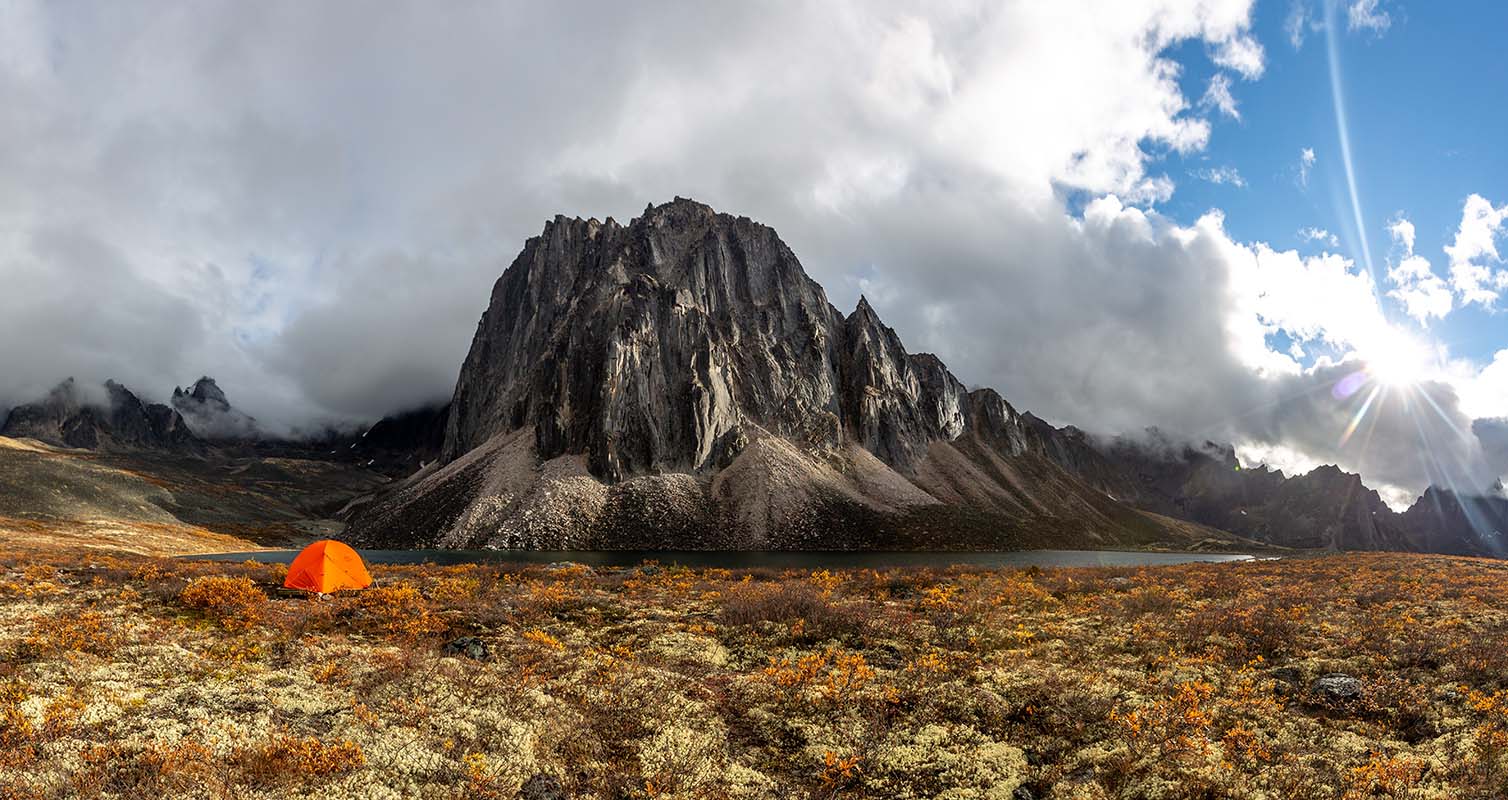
x=201, y=423
x=680, y=382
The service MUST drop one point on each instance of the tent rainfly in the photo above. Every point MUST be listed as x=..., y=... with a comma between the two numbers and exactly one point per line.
x=327, y=566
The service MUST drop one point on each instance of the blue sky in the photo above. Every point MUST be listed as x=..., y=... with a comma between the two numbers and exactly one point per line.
x=1424, y=101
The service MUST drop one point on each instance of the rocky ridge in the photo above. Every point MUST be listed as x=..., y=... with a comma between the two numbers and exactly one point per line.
x=206, y=409
x=1326, y=508
x=118, y=421
x=680, y=381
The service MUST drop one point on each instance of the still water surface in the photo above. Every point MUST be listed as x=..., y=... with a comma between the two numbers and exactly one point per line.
x=771, y=559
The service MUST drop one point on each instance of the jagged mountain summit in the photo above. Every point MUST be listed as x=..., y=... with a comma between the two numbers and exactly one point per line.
x=207, y=410
x=680, y=381
x=1326, y=509
x=119, y=420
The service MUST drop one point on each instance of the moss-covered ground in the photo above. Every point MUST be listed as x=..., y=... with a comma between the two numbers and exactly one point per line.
x=125, y=676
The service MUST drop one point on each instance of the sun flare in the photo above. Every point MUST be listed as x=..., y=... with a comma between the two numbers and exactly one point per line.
x=1397, y=359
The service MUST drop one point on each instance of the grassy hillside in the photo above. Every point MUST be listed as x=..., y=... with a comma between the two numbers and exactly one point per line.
x=128, y=677
x=154, y=503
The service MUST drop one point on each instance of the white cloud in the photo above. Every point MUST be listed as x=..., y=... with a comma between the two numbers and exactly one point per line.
x=1306, y=163
x=1415, y=284
x=1318, y=299
x=1218, y=96
x=1422, y=293
x=1286, y=460
x=1321, y=235
x=1474, y=250
x=1403, y=232
x=1364, y=15
x=1242, y=54
x=1220, y=175
x=1484, y=392
x=1299, y=23
x=309, y=201
x=266, y=182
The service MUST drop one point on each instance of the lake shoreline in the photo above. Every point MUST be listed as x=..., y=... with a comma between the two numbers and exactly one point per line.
x=776, y=559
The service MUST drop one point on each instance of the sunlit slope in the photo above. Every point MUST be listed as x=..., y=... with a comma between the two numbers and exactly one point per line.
x=163, y=503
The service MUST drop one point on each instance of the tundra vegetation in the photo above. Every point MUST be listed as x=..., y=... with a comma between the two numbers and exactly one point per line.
x=126, y=676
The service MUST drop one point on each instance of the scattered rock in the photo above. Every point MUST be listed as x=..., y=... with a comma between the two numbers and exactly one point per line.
x=1287, y=675
x=1023, y=793
x=557, y=566
x=468, y=647
x=542, y=786
x=1337, y=686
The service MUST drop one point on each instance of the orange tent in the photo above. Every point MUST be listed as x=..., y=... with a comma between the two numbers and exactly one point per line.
x=327, y=566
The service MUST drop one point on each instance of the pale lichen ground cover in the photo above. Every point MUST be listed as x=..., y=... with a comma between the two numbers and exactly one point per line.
x=119, y=680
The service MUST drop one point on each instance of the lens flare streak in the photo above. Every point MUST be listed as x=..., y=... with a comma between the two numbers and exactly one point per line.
x=1361, y=414
x=1338, y=96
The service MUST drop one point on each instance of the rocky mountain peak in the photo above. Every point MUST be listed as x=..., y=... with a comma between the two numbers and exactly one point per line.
x=205, y=392
x=683, y=368
x=120, y=420
x=680, y=380
x=656, y=346
x=208, y=411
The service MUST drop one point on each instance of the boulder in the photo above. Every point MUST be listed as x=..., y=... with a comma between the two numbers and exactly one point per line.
x=1337, y=686
x=468, y=647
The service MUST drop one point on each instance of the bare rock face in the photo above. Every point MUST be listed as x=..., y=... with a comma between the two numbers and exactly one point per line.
x=121, y=421
x=1444, y=521
x=209, y=413
x=680, y=382
x=48, y=420
x=651, y=347
x=882, y=392
x=1324, y=509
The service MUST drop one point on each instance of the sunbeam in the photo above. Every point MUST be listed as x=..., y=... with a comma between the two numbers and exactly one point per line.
x=1337, y=95
x=1361, y=414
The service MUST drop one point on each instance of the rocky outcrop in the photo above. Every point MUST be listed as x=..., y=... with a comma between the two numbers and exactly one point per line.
x=403, y=442
x=1444, y=521
x=1326, y=508
x=117, y=421
x=209, y=413
x=657, y=346
x=679, y=381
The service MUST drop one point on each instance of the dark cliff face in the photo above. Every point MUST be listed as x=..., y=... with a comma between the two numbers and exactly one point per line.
x=209, y=413
x=650, y=347
x=403, y=442
x=121, y=422
x=669, y=344
x=679, y=381
x=1443, y=521
x=1326, y=508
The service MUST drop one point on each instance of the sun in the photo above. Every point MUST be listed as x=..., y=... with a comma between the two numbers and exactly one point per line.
x=1397, y=359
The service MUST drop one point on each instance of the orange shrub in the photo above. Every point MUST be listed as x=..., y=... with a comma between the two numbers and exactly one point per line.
x=160, y=770
x=16, y=729
x=400, y=610
x=1384, y=776
x=284, y=758
x=86, y=632
x=542, y=639
x=236, y=603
